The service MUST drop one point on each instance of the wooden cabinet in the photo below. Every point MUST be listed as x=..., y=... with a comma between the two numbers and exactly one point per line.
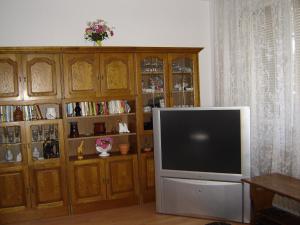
x=32, y=182
x=14, y=194
x=113, y=86
x=96, y=182
x=29, y=76
x=81, y=75
x=183, y=80
x=87, y=181
x=121, y=175
x=41, y=75
x=98, y=75
x=117, y=74
x=147, y=176
x=10, y=67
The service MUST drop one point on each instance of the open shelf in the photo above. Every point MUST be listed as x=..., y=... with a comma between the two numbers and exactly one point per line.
x=99, y=116
x=99, y=136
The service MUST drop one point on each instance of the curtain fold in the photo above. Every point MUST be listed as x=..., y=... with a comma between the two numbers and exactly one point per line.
x=256, y=64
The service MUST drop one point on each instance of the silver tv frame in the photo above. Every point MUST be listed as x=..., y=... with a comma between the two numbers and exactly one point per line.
x=164, y=175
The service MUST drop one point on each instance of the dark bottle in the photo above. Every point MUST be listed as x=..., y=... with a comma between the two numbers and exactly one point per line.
x=74, y=130
x=77, y=109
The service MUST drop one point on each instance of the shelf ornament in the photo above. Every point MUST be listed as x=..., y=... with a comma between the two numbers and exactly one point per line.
x=97, y=31
x=103, y=145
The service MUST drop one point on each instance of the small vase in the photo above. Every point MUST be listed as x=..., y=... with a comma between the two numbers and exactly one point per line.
x=98, y=43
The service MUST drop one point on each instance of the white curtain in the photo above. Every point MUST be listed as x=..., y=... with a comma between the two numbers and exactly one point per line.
x=256, y=64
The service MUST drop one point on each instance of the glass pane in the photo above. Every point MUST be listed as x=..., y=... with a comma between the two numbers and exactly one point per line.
x=152, y=87
x=183, y=87
x=10, y=144
x=147, y=143
x=45, y=141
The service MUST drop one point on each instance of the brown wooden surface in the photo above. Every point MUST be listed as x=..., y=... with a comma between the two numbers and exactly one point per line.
x=9, y=77
x=117, y=74
x=87, y=179
x=280, y=184
x=134, y=215
x=81, y=75
x=41, y=76
x=58, y=75
x=147, y=177
x=121, y=173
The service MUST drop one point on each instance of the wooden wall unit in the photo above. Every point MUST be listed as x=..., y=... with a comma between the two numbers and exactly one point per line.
x=141, y=77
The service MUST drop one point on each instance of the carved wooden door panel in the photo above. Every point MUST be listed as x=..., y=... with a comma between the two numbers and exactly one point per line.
x=117, y=74
x=10, y=88
x=41, y=76
x=87, y=181
x=48, y=186
x=121, y=176
x=81, y=75
x=14, y=189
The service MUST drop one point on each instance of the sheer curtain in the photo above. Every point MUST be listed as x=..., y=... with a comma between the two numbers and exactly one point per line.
x=256, y=64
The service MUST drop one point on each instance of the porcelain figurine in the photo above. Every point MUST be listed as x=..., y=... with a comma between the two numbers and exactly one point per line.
x=123, y=128
x=19, y=157
x=9, y=156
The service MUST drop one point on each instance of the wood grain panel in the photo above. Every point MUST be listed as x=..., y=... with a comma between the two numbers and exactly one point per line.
x=121, y=178
x=9, y=84
x=48, y=187
x=81, y=73
x=117, y=74
x=41, y=76
x=12, y=190
x=87, y=182
x=150, y=175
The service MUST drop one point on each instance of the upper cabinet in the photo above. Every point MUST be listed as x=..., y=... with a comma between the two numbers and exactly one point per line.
x=184, y=80
x=41, y=76
x=81, y=75
x=9, y=77
x=29, y=76
x=98, y=75
x=117, y=77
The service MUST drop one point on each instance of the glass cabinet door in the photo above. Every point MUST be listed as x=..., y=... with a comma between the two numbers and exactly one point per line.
x=182, y=82
x=153, y=86
x=44, y=139
x=11, y=147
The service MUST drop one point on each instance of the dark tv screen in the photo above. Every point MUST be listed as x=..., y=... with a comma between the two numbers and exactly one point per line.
x=201, y=140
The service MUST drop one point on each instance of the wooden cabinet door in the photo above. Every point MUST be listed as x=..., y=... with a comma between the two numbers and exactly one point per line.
x=148, y=177
x=87, y=181
x=121, y=173
x=42, y=76
x=14, y=189
x=81, y=75
x=48, y=185
x=117, y=74
x=10, y=88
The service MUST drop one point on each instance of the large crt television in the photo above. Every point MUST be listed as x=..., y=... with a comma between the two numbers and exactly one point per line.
x=203, y=143
x=201, y=155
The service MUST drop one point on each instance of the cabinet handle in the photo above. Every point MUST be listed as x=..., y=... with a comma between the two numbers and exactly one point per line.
x=20, y=79
x=102, y=76
x=24, y=79
x=98, y=77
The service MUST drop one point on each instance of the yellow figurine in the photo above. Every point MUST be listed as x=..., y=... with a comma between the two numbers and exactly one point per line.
x=80, y=151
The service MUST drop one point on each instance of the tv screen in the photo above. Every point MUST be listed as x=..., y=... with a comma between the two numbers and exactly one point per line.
x=201, y=140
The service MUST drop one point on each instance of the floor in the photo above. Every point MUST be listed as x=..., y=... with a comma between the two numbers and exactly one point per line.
x=134, y=215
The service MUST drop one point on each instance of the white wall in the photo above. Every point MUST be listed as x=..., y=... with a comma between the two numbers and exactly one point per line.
x=175, y=23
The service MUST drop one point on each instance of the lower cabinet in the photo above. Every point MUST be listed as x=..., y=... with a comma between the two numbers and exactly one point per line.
x=32, y=192
x=101, y=183
x=147, y=177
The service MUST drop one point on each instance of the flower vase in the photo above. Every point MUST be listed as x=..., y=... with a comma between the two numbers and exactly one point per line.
x=98, y=43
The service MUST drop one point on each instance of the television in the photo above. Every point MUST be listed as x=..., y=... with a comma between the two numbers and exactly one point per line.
x=203, y=142
x=201, y=154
